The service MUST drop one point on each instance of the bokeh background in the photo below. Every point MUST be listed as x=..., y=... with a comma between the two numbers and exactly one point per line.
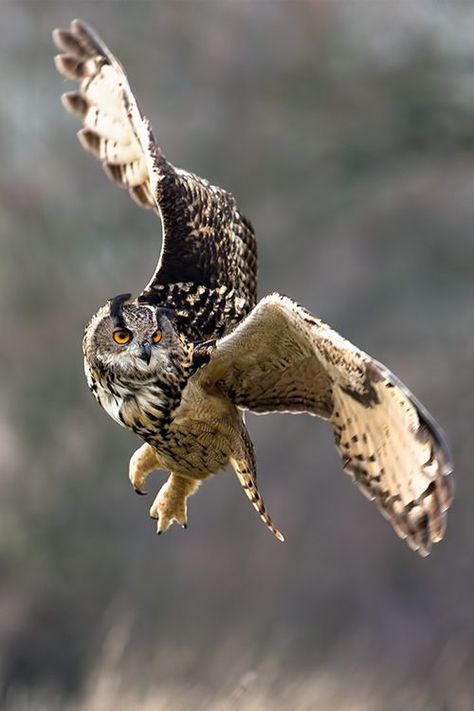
x=346, y=131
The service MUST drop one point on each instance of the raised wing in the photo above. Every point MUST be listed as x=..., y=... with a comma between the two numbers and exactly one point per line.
x=208, y=246
x=282, y=359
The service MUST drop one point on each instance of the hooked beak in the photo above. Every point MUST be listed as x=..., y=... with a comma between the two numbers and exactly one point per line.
x=145, y=352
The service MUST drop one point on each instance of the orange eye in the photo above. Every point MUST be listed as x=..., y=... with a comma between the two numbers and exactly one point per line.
x=156, y=338
x=122, y=336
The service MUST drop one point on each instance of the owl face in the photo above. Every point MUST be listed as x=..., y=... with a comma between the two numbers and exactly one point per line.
x=132, y=341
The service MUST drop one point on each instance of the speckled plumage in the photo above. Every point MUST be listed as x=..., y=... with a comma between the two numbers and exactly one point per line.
x=195, y=349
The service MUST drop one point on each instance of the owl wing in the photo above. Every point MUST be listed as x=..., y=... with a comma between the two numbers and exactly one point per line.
x=208, y=247
x=281, y=358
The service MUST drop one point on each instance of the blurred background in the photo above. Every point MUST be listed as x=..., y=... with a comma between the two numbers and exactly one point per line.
x=346, y=131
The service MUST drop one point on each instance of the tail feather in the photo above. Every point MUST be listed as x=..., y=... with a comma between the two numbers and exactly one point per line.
x=249, y=485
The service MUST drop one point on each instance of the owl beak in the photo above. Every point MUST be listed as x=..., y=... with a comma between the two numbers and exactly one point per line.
x=145, y=352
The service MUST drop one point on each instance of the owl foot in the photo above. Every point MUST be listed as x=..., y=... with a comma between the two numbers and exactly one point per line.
x=142, y=463
x=170, y=503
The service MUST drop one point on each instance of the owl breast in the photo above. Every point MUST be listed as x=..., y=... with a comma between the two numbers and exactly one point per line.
x=140, y=406
x=194, y=432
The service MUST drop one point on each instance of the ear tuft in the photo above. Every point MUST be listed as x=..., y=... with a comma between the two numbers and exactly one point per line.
x=116, y=306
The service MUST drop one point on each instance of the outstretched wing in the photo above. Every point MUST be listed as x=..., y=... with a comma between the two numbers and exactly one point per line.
x=209, y=250
x=282, y=359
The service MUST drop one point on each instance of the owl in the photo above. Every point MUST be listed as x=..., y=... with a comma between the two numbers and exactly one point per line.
x=181, y=363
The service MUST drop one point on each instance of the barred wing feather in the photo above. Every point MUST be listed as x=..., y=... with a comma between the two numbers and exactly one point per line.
x=209, y=248
x=282, y=359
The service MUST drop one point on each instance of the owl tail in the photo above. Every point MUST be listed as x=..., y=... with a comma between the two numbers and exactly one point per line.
x=247, y=477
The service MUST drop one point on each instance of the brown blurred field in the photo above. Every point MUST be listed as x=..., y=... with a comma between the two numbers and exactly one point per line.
x=346, y=131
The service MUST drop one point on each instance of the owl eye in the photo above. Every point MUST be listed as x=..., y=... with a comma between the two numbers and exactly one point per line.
x=156, y=338
x=122, y=336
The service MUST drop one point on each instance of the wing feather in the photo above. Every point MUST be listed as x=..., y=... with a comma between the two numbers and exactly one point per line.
x=207, y=242
x=282, y=359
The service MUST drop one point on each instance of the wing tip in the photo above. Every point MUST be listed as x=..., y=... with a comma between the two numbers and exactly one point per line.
x=74, y=103
x=90, y=141
x=81, y=29
x=77, y=41
x=78, y=25
x=89, y=39
x=70, y=66
x=425, y=519
x=80, y=39
x=58, y=35
x=421, y=519
x=435, y=501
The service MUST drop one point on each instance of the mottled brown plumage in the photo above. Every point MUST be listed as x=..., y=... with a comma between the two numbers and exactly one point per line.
x=207, y=270
x=180, y=364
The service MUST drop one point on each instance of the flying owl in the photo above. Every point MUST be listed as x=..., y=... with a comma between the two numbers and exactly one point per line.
x=181, y=363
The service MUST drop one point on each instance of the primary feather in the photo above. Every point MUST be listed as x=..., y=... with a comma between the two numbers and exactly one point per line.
x=209, y=252
x=282, y=359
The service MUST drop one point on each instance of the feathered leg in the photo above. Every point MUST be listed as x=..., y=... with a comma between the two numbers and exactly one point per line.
x=142, y=463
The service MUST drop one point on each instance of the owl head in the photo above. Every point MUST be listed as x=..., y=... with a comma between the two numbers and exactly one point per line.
x=133, y=341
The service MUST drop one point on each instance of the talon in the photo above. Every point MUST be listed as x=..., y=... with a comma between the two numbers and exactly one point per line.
x=142, y=463
x=162, y=526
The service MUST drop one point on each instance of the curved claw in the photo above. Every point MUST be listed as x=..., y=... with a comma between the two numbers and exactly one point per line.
x=140, y=492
